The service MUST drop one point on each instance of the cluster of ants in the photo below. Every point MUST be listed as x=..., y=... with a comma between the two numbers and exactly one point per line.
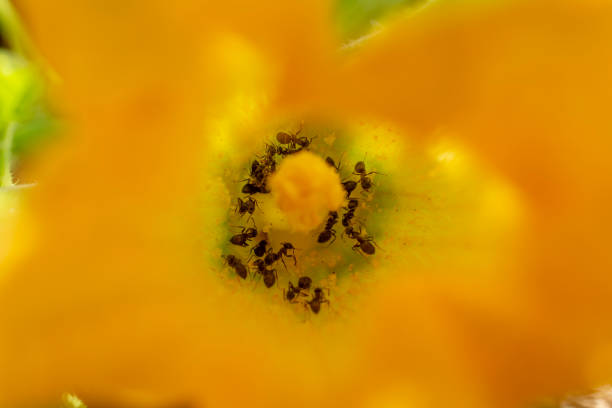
x=363, y=243
x=265, y=256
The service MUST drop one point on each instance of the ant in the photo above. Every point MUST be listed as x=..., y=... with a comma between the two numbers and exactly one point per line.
x=329, y=231
x=292, y=292
x=272, y=150
x=353, y=204
x=317, y=299
x=260, y=171
x=246, y=206
x=287, y=246
x=349, y=186
x=348, y=216
x=269, y=275
x=237, y=265
x=251, y=189
x=255, y=168
x=303, y=284
x=288, y=138
x=272, y=257
x=293, y=141
x=260, y=249
x=364, y=243
x=245, y=236
x=360, y=170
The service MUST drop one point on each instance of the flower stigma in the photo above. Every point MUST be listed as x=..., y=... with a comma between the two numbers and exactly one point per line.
x=306, y=189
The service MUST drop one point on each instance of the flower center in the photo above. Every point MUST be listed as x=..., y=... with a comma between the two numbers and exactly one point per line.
x=306, y=189
x=299, y=218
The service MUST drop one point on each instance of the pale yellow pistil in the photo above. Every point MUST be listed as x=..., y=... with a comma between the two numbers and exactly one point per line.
x=306, y=188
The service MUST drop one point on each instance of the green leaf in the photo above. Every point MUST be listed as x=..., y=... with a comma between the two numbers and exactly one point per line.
x=356, y=17
x=24, y=118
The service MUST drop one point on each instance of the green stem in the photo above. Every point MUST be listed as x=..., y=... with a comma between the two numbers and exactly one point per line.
x=6, y=179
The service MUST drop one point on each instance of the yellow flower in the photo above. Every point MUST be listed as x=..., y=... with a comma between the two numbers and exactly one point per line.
x=492, y=286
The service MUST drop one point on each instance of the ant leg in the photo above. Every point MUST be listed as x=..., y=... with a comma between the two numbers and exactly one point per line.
x=294, y=258
x=357, y=249
x=334, y=235
x=340, y=162
x=283, y=261
x=300, y=129
x=374, y=242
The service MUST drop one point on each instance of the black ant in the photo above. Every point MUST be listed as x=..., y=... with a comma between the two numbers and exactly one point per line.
x=317, y=299
x=246, y=206
x=260, y=171
x=292, y=291
x=255, y=168
x=272, y=150
x=260, y=249
x=347, y=217
x=245, y=236
x=272, y=256
x=288, y=138
x=251, y=189
x=349, y=186
x=269, y=275
x=293, y=141
x=353, y=204
x=360, y=170
x=329, y=232
x=237, y=265
x=364, y=243
x=287, y=246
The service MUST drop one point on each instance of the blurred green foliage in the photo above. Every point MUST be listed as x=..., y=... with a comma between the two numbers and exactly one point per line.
x=25, y=119
x=355, y=17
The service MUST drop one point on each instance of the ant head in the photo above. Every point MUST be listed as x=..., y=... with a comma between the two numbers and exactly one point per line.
x=287, y=245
